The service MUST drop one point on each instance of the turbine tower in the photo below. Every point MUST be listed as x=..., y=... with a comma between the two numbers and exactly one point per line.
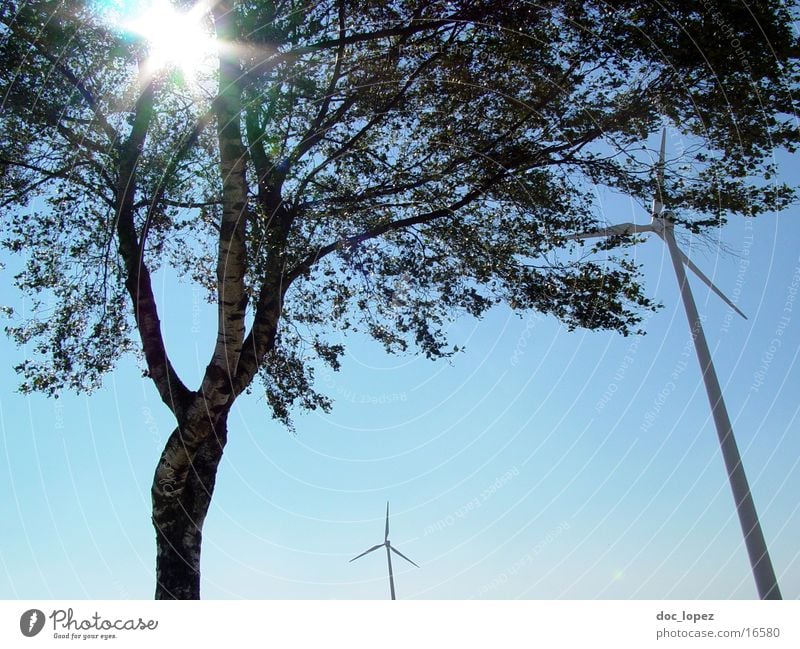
x=662, y=224
x=389, y=549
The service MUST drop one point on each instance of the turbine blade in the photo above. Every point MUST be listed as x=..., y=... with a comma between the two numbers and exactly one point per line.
x=386, y=536
x=613, y=230
x=396, y=551
x=690, y=264
x=372, y=549
x=660, y=173
x=658, y=198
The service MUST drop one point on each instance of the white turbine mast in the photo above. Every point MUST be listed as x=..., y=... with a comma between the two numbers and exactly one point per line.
x=389, y=549
x=662, y=224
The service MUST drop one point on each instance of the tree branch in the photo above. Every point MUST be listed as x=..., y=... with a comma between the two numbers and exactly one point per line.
x=507, y=167
x=171, y=389
x=64, y=173
x=73, y=80
x=232, y=253
x=376, y=118
x=187, y=142
x=392, y=226
x=400, y=30
x=315, y=130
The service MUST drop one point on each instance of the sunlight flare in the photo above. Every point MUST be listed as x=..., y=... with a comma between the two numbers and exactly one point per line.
x=175, y=38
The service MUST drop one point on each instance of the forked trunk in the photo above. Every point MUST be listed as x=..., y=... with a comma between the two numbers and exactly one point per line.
x=181, y=498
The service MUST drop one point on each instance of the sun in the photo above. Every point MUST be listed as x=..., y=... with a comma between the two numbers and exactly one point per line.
x=175, y=38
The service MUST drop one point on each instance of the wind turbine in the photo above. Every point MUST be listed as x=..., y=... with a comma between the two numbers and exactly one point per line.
x=389, y=549
x=662, y=224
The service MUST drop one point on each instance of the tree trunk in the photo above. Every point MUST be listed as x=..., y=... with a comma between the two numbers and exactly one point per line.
x=181, y=497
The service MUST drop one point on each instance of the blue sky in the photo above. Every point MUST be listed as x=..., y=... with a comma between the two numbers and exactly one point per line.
x=539, y=463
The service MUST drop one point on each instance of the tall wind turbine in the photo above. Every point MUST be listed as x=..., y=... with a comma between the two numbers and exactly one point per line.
x=662, y=224
x=389, y=549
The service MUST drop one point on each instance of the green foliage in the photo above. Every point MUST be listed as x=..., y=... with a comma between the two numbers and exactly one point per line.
x=408, y=162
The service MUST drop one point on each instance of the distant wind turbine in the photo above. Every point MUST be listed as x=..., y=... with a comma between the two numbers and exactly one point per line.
x=389, y=549
x=662, y=224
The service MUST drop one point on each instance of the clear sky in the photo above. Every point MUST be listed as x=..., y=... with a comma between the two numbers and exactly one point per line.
x=539, y=463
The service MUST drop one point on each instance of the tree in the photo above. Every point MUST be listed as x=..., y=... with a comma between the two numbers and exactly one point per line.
x=383, y=166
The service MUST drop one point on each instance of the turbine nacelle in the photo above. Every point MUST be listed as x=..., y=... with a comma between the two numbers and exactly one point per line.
x=661, y=220
x=389, y=549
x=658, y=205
